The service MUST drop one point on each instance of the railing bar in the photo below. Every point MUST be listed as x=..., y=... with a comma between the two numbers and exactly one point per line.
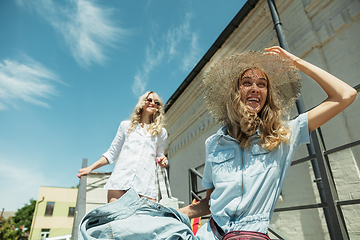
x=318, y=205
x=195, y=196
x=301, y=160
x=95, y=183
x=201, y=191
x=348, y=145
x=275, y=233
x=301, y=207
x=348, y=202
x=200, y=166
x=357, y=87
x=196, y=172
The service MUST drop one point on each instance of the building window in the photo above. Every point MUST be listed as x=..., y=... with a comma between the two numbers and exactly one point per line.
x=44, y=233
x=71, y=211
x=49, y=208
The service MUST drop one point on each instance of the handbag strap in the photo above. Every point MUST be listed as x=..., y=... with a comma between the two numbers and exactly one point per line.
x=167, y=182
x=218, y=232
x=162, y=182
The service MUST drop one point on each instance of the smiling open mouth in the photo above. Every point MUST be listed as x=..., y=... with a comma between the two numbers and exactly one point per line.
x=254, y=99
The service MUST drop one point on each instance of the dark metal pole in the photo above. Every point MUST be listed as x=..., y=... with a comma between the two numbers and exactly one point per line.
x=334, y=222
x=80, y=209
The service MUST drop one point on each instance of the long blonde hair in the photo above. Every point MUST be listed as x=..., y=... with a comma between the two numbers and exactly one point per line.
x=157, y=118
x=243, y=123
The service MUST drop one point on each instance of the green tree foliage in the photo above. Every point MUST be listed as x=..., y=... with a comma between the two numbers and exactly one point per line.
x=8, y=231
x=14, y=228
x=24, y=215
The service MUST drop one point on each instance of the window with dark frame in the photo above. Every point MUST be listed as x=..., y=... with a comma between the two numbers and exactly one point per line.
x=71, y=211
x=49, y=208
x=45, y=233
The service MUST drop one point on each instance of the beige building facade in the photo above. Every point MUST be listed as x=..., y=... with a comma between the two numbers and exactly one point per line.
x=54, y=213
x=323, y=32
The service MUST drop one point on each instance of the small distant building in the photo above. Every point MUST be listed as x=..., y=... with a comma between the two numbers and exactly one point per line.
x=7, y=214
x=54, y=213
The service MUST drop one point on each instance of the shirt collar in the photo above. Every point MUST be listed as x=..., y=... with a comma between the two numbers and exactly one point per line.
x=223, y=132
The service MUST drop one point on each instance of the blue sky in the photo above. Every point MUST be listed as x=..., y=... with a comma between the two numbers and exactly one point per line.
x=72, y=70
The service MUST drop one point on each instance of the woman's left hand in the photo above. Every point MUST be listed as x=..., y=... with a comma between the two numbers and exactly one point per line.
x=282, y=52
x=162, y=161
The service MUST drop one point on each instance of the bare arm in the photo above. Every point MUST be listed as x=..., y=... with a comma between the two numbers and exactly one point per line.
x=198, y=209
x=99, y=163
x=340, y=94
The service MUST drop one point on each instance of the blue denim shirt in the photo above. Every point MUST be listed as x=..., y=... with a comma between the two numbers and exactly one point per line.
x=132, y=217
x=248, y=182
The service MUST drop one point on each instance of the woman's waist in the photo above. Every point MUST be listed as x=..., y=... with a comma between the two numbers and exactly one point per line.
x=256, y=222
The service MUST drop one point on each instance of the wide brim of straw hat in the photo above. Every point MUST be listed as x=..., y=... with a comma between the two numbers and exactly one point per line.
x=218, y=81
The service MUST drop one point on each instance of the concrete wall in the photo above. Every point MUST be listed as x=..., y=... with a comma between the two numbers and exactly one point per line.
x=323, y=32
x=96, y=195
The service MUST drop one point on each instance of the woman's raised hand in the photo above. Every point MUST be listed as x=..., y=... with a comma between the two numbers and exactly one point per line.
x=282, y=52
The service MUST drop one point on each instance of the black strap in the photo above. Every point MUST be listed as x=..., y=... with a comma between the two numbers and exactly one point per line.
x=218, y=232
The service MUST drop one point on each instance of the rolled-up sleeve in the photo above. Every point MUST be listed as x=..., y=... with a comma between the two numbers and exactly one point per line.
x=300, y=130
x=116, y=145
x=161, y=143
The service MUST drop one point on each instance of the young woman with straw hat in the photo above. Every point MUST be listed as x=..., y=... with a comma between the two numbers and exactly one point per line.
x=248, y=158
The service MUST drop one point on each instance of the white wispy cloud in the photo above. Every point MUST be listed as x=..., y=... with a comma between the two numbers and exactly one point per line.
x=191, y=57
x=85, y=27
x=178, y=44
x=28, y=80
x=153, y=58
x=182, y=37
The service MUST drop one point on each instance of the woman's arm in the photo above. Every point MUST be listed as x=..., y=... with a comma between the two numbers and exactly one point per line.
x=198, y=209
x=160, y=149
x=111, y=154
x=99, y=163
x=114, y=150
x=340, y=94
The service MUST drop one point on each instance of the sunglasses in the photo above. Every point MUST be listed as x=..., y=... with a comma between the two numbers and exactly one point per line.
x=150, y=100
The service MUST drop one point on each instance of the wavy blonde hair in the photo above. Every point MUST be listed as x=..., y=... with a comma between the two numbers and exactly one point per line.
x=243, y=123
x=157, y=119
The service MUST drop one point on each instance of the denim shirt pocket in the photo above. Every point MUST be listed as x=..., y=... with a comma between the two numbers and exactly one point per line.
x=224, y=165
x=260, y=159
x=256, y=149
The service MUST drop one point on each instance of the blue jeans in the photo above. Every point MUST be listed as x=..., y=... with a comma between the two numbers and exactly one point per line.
x=132, y=217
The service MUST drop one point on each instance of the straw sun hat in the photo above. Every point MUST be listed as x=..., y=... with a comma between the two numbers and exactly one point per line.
x=284, y=78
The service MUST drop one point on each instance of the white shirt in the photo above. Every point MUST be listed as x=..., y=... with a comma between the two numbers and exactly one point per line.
x=137, y=154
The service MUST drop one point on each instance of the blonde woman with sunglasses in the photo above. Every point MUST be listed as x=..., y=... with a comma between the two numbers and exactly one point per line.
x=139, y=145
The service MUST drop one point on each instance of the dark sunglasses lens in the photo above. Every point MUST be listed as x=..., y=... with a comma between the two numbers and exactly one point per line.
x=150, y=101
